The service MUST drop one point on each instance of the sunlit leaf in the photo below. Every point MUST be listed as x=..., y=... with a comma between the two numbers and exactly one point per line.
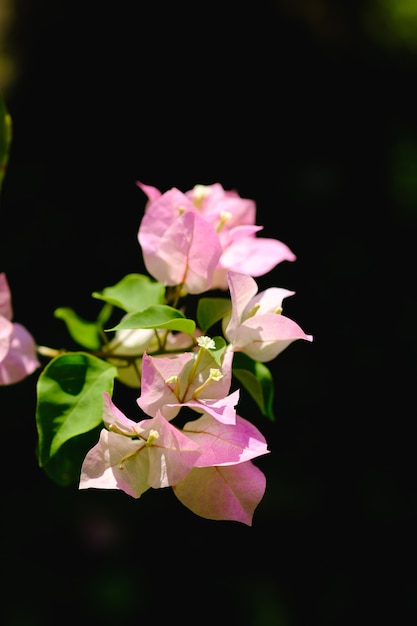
x=158, y=316
x=70, y=399
x=135, y=292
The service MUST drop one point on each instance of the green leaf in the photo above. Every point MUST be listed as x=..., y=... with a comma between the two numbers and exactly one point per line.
x=257, y=379
x=70, y=399
x=158, y=316
x=135, y=292
x=212, y=310
x=5, y=138
x=85, y=333
x=218, y=351
x=64, y=467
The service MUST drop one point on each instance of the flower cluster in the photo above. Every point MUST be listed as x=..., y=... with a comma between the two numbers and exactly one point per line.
x=187, y=433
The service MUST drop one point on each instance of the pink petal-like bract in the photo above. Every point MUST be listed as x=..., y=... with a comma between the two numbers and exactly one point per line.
x=173, y=454
x=104, y=466
x=152, y=192
x=18, y=352
x=156, y=393
x=223, y=493
x=115, y=419
x=6, y=309
x=179, y=247
x=225, y=444
x=222, y=410
x=263, y=337
x=21, y=359
x=6, y=333
x=255, y=256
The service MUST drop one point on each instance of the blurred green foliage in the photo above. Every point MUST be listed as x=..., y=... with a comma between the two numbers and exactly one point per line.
x=5, y=137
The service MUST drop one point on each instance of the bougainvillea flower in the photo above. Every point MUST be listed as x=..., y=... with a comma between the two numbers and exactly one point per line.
x=256, y=326
x=179, y=247
x=225, y=214
x=134, y=456
x=189, y=379
x=229, y=492
x=18, y=356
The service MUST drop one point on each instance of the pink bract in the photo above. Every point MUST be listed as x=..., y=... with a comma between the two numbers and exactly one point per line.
x=18, y=355
x=225, y=444
x=223, y=493
x=179, y=247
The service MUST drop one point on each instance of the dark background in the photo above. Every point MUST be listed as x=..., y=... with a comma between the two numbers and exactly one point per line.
x=308, y=108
